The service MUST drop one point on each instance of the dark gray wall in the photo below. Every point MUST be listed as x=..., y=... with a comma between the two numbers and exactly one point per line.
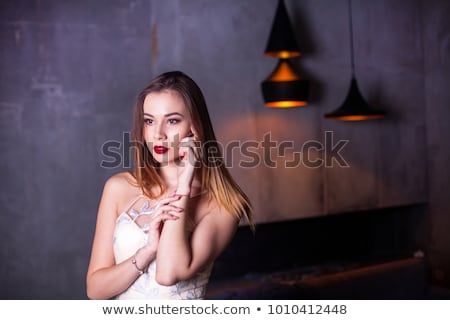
x=436, y=47
x=70, y=71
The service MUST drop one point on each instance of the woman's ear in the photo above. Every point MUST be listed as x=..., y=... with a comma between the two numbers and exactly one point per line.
x=193, y=133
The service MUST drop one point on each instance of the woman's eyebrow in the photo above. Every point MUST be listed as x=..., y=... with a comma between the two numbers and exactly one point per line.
x=166, y=115
x=174, y=114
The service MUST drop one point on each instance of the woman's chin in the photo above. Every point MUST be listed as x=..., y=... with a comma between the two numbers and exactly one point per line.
x=165, y=159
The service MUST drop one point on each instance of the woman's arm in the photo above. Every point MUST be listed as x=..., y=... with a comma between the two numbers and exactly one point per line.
x=180, y=256
x=105, y=279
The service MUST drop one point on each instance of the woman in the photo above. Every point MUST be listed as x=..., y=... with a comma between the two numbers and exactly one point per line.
x=160, y=228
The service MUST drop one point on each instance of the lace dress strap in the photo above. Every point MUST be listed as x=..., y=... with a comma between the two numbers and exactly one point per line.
x=132, y=203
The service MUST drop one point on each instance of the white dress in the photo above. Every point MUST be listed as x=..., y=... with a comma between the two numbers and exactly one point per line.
x=129, y=236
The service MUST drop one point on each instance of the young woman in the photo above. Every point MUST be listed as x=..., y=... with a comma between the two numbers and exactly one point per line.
x=160, y=228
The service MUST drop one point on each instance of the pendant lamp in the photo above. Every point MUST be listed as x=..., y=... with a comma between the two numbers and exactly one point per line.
x=284, y=88
x=354, y=107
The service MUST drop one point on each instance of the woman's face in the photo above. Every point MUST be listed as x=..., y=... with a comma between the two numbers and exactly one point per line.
x=166, y=122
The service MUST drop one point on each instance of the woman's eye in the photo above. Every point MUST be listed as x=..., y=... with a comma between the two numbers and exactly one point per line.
x=148, y=121
x=173, y=121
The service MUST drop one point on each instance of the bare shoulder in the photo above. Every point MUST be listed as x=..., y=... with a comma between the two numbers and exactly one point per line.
x=121, y=187
x=214, y=229
x=119, y=182
x=215, y=213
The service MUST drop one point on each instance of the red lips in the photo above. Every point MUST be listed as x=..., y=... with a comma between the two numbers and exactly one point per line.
x=160, y=149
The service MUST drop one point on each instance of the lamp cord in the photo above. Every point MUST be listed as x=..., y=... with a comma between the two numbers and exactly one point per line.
x=350, y=22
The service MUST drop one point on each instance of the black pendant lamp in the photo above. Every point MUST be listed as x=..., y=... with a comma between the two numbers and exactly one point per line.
x=354, y=107
x=284, y=88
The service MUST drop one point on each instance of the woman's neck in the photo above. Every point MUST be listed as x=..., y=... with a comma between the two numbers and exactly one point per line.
x=169, y=174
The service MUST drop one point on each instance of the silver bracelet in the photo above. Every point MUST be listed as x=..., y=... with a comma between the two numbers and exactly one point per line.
x=133, y=261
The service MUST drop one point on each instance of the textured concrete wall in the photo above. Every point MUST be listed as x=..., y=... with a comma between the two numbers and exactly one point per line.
x=70, y=71
x=221, y=45
x=436, y=46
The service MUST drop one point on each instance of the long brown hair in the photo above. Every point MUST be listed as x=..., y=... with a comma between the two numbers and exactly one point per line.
x=216, y=181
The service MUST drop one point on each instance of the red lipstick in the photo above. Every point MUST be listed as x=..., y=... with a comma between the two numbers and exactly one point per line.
x=160, y=149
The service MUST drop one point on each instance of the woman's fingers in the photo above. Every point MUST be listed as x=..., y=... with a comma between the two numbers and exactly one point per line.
x=168, y=200
x=164, y=217
x=159, y=217
x=189, y=146
x=157, y=222
x=168, y=209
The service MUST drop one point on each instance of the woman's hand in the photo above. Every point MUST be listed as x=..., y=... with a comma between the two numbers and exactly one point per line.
x=165, y=210
x=189, y=152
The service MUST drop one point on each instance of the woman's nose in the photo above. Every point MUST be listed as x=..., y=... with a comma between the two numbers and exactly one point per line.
x=159, y=133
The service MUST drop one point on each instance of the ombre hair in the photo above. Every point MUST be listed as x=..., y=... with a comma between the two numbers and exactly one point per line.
x=216, y=181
